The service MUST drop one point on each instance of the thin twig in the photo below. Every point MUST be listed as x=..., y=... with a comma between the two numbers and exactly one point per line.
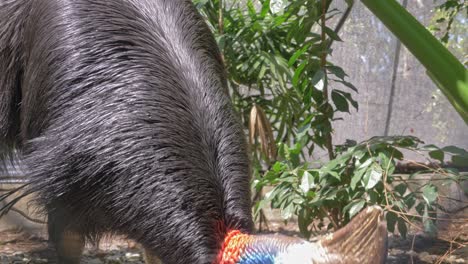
x=221, y=25
x=323, y=63
x=332, y=220
x=340, y=24
x=412, y=248
x=23, y=214
x=221, y=18
x=6, y=190
x=450, y=251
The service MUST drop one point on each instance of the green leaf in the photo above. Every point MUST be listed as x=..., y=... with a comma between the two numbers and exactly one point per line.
x=347, y=84
x=398, y=204
x=430, y=147
x=410, y=200
x=402, y=228
x=298, y=54
x=384, y=158
x=437, y=155
x=430, y=193
x=330, y=194
x=356, y=207
x=454, y=150
x=340, y=102
x=357, y=177
x=298, y=73
x=366, y=163
x=270, y=176
x=332, y=165
x=372, y=177
x=288, y=211
x=401, y=188
x=251, y=9
x=318, y=80
x=334, y=174
x=373, y=197
x=391, y=218
x=278, y=166
x=396, y=154
x=460, y=160
x=304, y=129
x=420, y=208
x=429, y=227
x=337, y=71
x=349, y=98
x=265, y=8
x=307, y=182
x=332, y=34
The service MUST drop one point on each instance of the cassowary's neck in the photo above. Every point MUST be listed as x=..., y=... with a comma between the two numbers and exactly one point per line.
x=362, y=241
x=269, y=249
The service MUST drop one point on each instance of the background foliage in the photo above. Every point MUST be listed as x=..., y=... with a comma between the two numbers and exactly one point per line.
x=450, y=17
x=288, y=95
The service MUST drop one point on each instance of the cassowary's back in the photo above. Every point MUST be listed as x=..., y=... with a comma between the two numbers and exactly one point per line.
x=126, y=120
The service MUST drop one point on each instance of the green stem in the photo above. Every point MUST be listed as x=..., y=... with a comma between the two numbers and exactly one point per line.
x=445, y=70
x=221, y=18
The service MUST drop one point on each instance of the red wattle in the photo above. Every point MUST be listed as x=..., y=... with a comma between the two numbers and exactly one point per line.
x=233, y=247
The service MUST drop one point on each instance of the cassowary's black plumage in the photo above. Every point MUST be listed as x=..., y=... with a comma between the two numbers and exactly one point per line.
x=121, y=114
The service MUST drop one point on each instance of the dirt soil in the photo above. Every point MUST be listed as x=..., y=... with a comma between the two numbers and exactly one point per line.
x=17, y=247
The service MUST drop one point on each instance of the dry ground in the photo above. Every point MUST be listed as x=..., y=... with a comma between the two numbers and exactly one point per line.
x=17, y=247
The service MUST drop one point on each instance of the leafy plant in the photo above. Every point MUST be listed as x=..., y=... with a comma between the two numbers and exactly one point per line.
x=363, y=174
x=273, y=58
x=444, y=17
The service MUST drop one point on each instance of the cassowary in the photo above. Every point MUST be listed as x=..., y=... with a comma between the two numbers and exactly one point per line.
x=119, y=112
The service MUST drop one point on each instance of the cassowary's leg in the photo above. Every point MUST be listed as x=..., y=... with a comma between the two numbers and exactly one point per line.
x=150, y=258
x=68, y=243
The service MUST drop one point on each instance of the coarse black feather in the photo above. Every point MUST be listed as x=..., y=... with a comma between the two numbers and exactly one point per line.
x=120, y=113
